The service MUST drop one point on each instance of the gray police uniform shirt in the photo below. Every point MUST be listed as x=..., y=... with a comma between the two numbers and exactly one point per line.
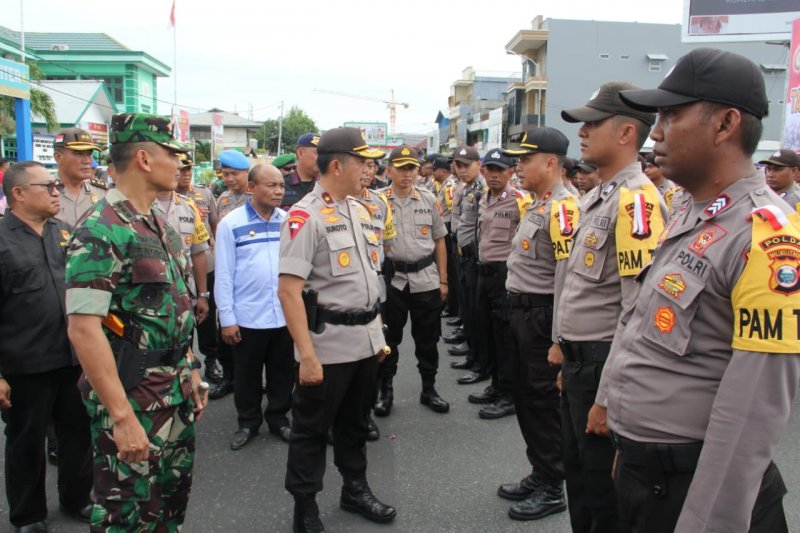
x=444, y=193
x=665, y=186
x=204, y=199
x=498, y=219
x=792, y=196
x=599, y=278
x=455, y=214
x=72, y=209
x=541, y=241
x=467, y=210
x=332, y=245
x=229, y=201
x=378, y=209
x=418, y=224
x=182, y=215
x=709, y=351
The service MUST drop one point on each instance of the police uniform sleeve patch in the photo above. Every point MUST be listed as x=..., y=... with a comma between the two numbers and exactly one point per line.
x=765, y=311
x=297, y=218
x=639, y=224
x=564, y=217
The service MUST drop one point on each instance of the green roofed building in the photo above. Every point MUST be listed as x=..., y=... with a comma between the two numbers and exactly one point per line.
x=130, y=76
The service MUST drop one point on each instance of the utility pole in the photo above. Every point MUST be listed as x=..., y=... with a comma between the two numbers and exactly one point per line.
x=21, y=31
x=280, y=130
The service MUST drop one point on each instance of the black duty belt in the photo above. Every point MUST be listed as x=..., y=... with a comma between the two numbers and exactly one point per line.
x=347, y=318
x=408, y=267
x=468, y=251
x=527, y=301
x=493, y=267
x=666, y=457
x=165, y=357
x=585, y=352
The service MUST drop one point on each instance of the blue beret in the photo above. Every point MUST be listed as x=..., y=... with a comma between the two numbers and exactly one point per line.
x=234, y=159
x=308, y=139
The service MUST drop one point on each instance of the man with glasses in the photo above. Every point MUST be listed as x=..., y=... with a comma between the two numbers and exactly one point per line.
x=76, y=182
x=39, y=371
x=286, y=163
x=300, y=182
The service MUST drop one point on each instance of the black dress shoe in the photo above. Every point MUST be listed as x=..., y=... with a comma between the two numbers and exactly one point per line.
x=432, y=399
x=283, y=432
x=383, y=405
x=487, y=395
x=455, y=337
x=36, y=527
x=84, y=514
x=446, y=314
x=549, y=499
x=213, y=371
x=459, y=349
x=461, y=365
x=306, y=515
x=472, y=377
x=357, y=498
x=500, y=408
x=455, y=321
x=526, y=487
x=52, y=451
x=374, y=433
x=220, y=390
x=242, y=437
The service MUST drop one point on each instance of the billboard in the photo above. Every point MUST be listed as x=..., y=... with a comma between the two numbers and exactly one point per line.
x=374, y=132
x=791, y=132
x=43, y=149
x=14, y=79
x=727, y=20
x=217, y=135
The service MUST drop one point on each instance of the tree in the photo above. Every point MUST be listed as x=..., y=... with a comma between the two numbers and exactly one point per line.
x=295, y=124
x=41, y=105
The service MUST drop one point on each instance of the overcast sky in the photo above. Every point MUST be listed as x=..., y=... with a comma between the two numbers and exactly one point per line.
x=238, y=55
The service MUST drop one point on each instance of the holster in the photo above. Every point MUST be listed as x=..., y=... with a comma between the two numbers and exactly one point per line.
x=312, y=312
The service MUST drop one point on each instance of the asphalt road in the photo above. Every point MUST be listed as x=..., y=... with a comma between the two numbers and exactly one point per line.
x=440, y=471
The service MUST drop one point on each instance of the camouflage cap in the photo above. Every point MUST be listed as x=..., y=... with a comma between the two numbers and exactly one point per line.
x=142, y=128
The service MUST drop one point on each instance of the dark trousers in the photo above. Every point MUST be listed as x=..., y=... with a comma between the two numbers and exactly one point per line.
x=342, y=401
x=207, y=331
x=495, y=343
x=36, y=399
x=451, y=304
x=259, y=350
x=587, y=457
x=424, y=309
x=535, y=394
x=641, y=511
x=468, y=281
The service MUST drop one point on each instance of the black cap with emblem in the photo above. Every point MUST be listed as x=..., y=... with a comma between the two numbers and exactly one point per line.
x=541, y=140
x=710, y=75
x=466, y=154
x=782, y=158
x=347, y=141
x=496, y=158
x=606, y=102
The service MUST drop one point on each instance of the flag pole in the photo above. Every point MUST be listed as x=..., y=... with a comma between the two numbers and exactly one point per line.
x=175, y=54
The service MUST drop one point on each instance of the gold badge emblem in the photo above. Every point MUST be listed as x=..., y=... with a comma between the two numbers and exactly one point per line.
x=344, y=259
x=526, y=245
x=374, y=256
x=664, y=319
x=326, y=210
x=588, y=259
x=424, y=230
x=405, y=151
x=673, y=285
x=331, y=219
x=188, y=240
x=591, y=240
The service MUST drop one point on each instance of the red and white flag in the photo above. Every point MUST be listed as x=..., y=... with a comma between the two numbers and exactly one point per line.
x=641, y=226
x=172, y=15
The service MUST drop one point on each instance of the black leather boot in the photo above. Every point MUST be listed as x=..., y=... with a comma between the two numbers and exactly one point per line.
x=357, y=498
x=527, y=487
x=549, y=499
x=383, y=405
x=306, y=515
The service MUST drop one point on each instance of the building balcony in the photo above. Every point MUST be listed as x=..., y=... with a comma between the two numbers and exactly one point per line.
x=535, y=84
x=527, y=41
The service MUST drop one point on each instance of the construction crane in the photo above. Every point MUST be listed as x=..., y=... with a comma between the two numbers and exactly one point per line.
x=392, y=104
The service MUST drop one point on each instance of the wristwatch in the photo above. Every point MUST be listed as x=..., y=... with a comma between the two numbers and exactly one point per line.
x=205, y=295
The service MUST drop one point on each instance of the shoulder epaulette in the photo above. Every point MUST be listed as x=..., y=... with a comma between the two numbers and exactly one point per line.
x=102, y=184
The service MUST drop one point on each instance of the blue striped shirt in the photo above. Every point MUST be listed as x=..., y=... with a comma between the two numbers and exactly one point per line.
x=246, y=279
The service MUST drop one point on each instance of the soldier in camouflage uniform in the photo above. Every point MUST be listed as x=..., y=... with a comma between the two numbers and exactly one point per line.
x=130, y=321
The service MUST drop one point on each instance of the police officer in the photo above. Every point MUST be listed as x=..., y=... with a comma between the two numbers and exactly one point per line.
x=705, y=366
x=467, y=162
x=328, y=288
x=443, y=187
x=419, y=283
x=79, y=189
x=621, y=220
x=542, y=242
x=302, y=179
x=235, y=167
x=180, y=212
x=654, y=174
x=130, y=321
x=206, y=206
x=782, y=169
x=501, y=210
x=586, y=177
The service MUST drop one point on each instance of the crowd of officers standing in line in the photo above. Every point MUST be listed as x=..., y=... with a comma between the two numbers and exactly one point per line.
x=541, y=261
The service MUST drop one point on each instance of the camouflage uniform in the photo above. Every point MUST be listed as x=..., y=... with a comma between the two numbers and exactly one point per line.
x=131, y=265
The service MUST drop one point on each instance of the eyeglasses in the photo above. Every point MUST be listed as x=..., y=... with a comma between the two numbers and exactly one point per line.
x=293, y=167
x=50, y=186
